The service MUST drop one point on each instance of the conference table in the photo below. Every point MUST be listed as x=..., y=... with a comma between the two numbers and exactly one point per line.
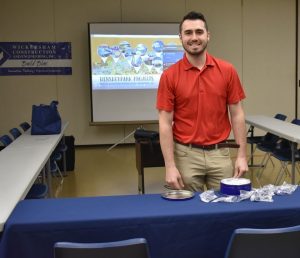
x=280, y=128
x=173, y=229
x=20, y=164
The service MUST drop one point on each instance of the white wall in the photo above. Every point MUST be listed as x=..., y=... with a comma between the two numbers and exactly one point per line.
x=257, y=36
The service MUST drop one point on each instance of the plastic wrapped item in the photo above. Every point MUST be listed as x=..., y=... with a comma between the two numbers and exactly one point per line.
x=244, y=195
x=266, y=193
x=211, y=196
x=229, y=198
x=285, y=188
x=235, y=198
x=263, y=194
x=208, y=196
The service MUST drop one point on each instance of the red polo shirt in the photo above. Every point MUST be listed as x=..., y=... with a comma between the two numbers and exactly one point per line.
x=200, y=99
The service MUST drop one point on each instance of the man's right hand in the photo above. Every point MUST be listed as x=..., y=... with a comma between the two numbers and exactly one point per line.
x=174, y=179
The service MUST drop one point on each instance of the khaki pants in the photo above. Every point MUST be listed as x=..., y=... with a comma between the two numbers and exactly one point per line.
x=202, y=169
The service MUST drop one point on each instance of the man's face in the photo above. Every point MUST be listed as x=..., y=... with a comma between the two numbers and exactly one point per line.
x=194, y=37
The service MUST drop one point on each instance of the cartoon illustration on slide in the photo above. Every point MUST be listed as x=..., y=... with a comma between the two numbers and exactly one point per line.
x=132, y=62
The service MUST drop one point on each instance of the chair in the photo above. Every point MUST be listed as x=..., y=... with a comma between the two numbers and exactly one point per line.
x=255, y=140
x=285, y=158
x=5, y=140
x=15, y=132
x=67, y=163
x=59, y=151
x=267, y=145
x=37, y=191
x=283, y=153
x=132, y=248
x=54, y=168
x=25, y=126
x=261, y=243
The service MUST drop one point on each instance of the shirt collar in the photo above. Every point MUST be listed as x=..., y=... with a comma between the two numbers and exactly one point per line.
x=188, y=65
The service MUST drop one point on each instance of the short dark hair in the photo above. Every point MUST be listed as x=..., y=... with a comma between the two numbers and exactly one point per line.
x=193, y=16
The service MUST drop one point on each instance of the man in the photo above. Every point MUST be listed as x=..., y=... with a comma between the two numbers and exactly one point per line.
x=193, y=100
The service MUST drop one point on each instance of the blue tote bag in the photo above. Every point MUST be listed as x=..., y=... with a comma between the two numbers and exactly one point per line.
x=45, y=119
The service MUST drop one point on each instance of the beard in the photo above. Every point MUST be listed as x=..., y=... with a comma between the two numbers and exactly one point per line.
x=197, y=52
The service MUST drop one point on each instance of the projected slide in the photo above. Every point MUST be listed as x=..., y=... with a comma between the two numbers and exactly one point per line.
x=126, y=63
x=120, y=62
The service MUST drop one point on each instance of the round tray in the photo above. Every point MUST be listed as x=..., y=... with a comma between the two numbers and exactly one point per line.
x=177, y=195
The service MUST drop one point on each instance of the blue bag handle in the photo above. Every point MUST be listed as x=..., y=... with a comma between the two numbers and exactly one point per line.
x=54, y=103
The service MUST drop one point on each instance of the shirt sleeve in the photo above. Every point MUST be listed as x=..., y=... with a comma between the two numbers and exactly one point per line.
x=165, y=94
x=235, y=89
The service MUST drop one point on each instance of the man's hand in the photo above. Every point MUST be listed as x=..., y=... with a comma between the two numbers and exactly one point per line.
x=241, y=166
x=174, y=179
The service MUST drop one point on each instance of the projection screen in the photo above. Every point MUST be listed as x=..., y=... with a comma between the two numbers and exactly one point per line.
x=126, y=61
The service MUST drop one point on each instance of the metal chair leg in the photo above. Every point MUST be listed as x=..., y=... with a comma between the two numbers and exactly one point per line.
x=263, y=164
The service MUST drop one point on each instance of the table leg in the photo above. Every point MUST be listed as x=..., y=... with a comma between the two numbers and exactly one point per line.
x=140, y=167
x=252, y=148
x=251, y=164
x=44, y=177
x=294, y=148
x=141, y=181
x=49, y=178
x=64, y=157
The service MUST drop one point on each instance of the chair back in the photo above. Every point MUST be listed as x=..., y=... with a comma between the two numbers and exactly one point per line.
x=261, y=243
x=37, y=191
x=296, y=121
x=5, y=140
x=132, y=248
x=15, y=132
x=280, y=117
x=284, y=144
x=25, y=126
x=270, y=138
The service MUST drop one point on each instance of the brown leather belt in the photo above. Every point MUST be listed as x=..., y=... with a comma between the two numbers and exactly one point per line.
x=211, y=146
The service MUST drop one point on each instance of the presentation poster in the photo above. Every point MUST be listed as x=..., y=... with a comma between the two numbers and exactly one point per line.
x=35, y=58
x=121, y=62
